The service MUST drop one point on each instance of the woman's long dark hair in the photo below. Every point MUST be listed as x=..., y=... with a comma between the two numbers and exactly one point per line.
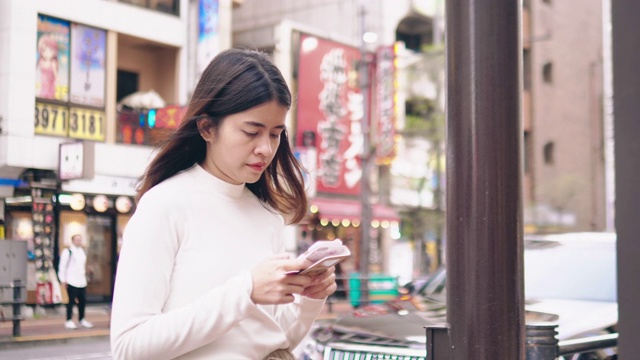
x=236, y=80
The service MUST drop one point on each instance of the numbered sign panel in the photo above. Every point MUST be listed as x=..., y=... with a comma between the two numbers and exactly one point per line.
x=86, y=124
x=51, y=119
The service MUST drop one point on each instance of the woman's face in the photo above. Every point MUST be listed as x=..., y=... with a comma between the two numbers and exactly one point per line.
x=244, y=144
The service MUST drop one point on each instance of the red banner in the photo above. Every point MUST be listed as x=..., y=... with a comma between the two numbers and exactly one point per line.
x=330, y=106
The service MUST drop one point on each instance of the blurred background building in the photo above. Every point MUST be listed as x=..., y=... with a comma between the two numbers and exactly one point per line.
x=402, y=43
x=564, y=118
x=89, y=87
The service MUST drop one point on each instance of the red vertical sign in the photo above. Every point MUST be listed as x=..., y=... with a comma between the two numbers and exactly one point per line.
x=330, y=105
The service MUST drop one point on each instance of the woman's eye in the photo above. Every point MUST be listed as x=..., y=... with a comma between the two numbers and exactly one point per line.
x=275, y=136
x=250, y=133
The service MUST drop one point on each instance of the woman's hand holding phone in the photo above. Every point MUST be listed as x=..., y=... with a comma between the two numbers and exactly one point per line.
x=322, y=285
x=272, y=282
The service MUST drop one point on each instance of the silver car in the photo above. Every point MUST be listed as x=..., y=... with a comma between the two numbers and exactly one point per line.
x=570, y=280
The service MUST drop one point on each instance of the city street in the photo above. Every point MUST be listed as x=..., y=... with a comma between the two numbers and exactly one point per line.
x=474, y=161
x=97, y=348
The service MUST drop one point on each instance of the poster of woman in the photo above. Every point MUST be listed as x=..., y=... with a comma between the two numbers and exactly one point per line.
x=87, y=65
x=52, y=59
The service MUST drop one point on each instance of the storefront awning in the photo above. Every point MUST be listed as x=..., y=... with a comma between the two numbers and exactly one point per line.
x=340, y=209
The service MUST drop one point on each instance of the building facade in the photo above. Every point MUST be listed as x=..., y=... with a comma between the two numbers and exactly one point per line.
x=563, y=111
x=76, y=65
x=307, y=40
x=564, y=160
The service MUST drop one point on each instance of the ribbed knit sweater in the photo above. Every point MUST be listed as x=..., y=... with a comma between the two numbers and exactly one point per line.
x=183, y=282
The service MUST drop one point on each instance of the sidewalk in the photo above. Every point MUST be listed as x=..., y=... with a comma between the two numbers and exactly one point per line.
x=49, y=327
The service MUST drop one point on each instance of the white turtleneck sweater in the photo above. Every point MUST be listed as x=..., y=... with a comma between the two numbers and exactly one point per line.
x=183, y=284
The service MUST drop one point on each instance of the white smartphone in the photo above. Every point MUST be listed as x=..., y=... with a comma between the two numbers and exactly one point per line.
x=322, y=264
x=323, y=254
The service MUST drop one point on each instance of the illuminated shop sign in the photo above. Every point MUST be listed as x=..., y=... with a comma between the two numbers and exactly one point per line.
x=330, y=105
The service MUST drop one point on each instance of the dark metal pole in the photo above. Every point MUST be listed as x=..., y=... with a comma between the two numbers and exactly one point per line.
x=365, y=223
x=17, y=303
x=485, y=293
x=626, y=92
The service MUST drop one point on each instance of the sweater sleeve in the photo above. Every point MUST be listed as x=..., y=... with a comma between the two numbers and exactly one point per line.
x=140, y=329
x=297, y=318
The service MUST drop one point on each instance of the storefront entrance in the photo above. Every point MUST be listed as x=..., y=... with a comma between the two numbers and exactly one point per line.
x=98, y=231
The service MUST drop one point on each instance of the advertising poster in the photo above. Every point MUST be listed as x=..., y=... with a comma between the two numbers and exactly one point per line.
x=330, y=106
x=52, y=59
x=208, y=36
x=88, y=52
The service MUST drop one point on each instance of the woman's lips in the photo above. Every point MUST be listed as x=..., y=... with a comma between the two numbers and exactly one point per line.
x=257, y=166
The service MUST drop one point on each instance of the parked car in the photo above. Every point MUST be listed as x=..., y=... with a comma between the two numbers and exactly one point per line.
x=570, y=280
x=425, y=284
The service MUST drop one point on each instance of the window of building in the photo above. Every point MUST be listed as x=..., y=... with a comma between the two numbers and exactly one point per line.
x=127, y=83
x=527, y=152
x=547, y=72
x=548, y=153
x=526, y=69
x=166, y=6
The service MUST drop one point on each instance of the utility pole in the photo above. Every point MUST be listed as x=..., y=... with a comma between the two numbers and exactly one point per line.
x=365, y=223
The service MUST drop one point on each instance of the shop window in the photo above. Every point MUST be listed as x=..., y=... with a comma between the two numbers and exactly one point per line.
x=97, y=232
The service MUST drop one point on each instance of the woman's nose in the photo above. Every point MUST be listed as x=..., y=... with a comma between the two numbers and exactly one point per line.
x=264, y=146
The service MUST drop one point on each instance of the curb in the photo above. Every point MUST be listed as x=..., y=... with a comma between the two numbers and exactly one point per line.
x=39, y=340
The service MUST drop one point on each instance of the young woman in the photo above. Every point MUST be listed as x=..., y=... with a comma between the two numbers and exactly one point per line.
x=201, y=273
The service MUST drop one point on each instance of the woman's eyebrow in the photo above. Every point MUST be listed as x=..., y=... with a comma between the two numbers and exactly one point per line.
x=261, y=125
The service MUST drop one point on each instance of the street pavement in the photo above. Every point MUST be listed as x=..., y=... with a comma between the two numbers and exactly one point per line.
x=48, y=325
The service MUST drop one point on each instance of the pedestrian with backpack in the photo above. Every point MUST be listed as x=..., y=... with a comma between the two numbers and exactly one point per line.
x=73, y=278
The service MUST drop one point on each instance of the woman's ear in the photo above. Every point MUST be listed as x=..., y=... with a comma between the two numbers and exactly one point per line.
x=205, y=129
